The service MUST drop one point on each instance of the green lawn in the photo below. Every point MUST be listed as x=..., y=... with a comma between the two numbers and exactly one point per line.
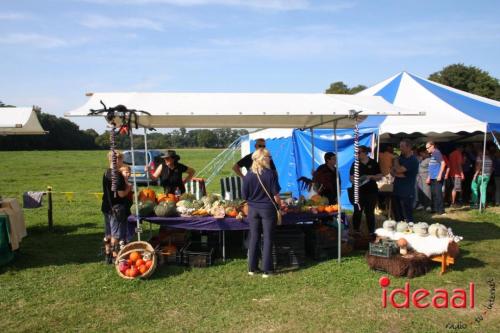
x=58, y=283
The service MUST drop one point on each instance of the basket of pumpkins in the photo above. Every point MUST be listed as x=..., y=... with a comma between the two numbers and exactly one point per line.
x=136, y=260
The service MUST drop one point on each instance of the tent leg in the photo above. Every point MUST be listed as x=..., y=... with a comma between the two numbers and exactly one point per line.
x=481, y=194
x=136, y=200
x=312, y=151
x=339, y=204
x=146, y=155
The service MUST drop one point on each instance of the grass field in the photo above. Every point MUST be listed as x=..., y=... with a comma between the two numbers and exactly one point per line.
x=57, y=282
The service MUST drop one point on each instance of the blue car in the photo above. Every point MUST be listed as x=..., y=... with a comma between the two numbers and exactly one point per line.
x=142, y=177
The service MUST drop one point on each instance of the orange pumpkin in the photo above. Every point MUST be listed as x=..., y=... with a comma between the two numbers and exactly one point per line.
x=161, y=197
x=134, y=256
x=147, y=194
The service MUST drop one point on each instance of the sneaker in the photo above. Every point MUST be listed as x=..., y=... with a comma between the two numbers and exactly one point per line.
x=266, y=275
x=419, y=207
x=428, y=209
x=251, y=273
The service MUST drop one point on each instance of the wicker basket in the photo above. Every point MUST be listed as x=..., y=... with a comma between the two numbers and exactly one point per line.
x=141, y=247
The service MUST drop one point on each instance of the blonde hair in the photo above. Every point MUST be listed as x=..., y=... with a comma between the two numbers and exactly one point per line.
x=259, y=161
x=119, y=155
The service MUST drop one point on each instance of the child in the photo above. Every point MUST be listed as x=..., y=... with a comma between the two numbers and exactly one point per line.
x=125, y=171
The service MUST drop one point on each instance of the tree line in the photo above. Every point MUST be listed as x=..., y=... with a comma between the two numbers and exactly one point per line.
x=66, y=135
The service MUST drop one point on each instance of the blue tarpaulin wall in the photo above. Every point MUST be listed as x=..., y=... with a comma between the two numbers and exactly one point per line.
x=293, y=156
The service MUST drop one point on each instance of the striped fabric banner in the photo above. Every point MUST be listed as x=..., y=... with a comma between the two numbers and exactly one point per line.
x=231, y=188
x=197, y=187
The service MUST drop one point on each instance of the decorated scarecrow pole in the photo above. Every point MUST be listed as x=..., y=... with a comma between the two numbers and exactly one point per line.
x=127, y=118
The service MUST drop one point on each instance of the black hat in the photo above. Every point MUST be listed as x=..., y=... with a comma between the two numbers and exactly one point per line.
x=171, y=154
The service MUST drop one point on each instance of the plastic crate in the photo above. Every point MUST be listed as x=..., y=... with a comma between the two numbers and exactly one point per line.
x=197, y=254
x=383, y=249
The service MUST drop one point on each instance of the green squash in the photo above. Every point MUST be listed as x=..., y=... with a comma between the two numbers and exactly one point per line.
x=146, y=208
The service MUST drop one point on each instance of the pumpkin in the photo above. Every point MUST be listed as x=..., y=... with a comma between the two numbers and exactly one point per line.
x=134, y=256
x=161, y=197
x=146, y=208
x=147, y=194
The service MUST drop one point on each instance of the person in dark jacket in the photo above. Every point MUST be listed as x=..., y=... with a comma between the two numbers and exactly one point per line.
x=261, y=191
x=325, y=177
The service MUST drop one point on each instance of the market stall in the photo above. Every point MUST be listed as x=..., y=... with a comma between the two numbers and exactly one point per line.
x=235, y=110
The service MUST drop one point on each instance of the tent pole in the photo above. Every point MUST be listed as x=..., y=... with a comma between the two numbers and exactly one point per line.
x=146, y=155
x=136, y=199
x=339, y=205
x=312, y=152
x=482, y=170
x=378, y=144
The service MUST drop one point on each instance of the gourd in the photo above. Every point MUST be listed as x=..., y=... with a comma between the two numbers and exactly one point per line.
x=146, y=208
x=162, y=209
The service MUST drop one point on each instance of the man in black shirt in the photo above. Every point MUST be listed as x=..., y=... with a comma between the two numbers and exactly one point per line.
x=369, y=174
x=246, y=162
x=114, y=207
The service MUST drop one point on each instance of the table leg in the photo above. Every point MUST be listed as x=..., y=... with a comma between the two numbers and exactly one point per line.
x=223, y=245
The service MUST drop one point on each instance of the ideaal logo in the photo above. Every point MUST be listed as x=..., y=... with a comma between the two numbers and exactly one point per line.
x=422, y=298
x=459, y=298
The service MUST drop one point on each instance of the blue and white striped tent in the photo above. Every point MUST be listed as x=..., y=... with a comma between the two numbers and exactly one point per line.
x=449, y=112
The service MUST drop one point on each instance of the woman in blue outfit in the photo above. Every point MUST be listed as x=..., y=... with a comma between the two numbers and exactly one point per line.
x=261, y=191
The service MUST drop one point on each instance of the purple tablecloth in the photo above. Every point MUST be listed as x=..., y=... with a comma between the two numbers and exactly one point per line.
x=227, y=223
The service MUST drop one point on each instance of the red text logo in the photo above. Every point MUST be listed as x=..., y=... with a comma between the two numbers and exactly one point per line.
x=422, y=298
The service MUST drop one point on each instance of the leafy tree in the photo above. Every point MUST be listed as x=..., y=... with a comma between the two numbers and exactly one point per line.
x=340, y=87
x=470, y=79
x=206, y=138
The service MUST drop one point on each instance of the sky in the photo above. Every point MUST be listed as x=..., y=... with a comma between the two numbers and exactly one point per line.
x=55, y=51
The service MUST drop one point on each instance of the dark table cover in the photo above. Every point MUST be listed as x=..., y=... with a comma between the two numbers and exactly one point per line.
x=227, y=223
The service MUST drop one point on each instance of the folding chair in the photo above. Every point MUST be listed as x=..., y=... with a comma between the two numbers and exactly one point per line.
x=197, y=187
x=231, y=188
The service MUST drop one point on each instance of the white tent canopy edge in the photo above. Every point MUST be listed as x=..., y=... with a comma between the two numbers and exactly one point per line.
x=19, y=121
x=244, y=110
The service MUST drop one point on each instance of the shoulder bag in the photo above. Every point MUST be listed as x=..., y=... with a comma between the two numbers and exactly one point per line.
x=279, y=217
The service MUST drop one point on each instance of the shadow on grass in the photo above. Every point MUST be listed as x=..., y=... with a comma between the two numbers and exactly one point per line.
x=464, y=262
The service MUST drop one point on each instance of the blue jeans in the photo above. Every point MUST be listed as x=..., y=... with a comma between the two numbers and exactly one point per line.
x=437, y=196
x=266, y=218
x=403, y=208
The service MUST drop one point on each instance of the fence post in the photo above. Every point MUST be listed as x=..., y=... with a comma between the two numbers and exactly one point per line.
x=49, y=196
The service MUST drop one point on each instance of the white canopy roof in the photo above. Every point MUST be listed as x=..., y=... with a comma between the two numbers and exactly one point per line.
x=19, y=121
x=448, y=110
x=243, y=110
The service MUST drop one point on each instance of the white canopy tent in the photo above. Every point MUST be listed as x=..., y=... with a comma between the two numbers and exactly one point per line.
x=19, y=121
x=244, y=110
x=449, y=112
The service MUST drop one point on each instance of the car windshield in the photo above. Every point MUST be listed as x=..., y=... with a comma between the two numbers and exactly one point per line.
x=139, y=157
